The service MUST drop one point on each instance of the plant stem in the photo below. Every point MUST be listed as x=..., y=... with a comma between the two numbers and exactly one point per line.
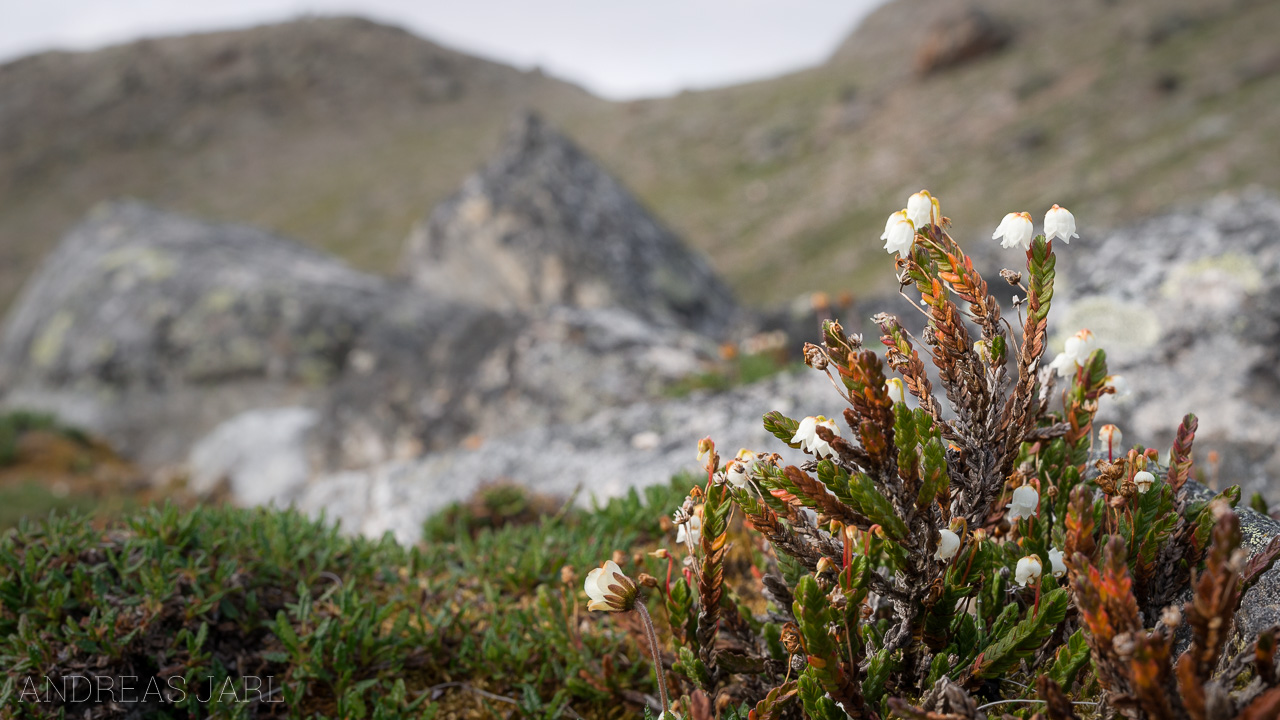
x=657, y=653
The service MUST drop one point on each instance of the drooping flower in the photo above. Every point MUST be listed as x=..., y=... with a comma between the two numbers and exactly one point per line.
x=982, y=349
x=1016, y=230
x=948, y=544
x=807, y=436
x=1028, y=570
x=609, y=589
x=690, y=530
x=899, y=234
x=1118, y=386
x=1143, y=480
x=1026, y=500
x=897, y=391
x=1075, y=353
x=1056, y=565
x=1111, y=439
x=922, y=208
x=1060, y=223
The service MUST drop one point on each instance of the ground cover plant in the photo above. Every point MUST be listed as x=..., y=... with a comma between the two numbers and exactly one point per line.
x=265, y=613
x=994, y=558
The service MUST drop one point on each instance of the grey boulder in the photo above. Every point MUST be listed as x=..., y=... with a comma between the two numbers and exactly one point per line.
x=543, y=225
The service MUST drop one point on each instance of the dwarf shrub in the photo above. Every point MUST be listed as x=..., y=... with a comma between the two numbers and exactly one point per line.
x=967, y=554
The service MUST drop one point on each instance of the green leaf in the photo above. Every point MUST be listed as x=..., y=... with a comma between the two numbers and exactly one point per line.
x=1025, y=637
x=781, y=427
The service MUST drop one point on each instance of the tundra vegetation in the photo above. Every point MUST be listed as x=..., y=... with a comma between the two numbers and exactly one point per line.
x=994, y=558
x=982, y=552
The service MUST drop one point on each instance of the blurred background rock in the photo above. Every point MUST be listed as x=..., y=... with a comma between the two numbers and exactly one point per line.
x=364, y=273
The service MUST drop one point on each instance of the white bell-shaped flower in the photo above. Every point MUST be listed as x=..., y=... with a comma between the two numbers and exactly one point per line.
x=1075, y=353
x=1015, y=230
x=1118, y=386
x=735, y=472
x=1111, y=439
x=609, y=589
x=1028, y=571
x=1026, y=500
x=690, y=531
x=807, y=436
x=1060, y=223
x=948, y=544
x=1144, y=480
x=922, y=208
x=1056, y=565
x=899, y=234
x=897, y=391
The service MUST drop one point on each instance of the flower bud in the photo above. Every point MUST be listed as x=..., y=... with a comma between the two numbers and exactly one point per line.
x=826, y=565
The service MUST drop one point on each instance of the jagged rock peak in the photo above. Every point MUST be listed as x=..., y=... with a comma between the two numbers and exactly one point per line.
x=543, y=225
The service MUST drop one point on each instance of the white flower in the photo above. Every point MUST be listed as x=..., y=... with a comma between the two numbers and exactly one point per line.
x=1025, y=501
x=921, y=208
x=1111, y=438
x=1016, y=229
x=1028, y=571
x=948, y=544
x=1143, y=480
x=982, y=349
x=738, y=471
x=1056, y=565
x=1060, y=223
x=899, y=234
x=690, y=531
x=1075, y=353
x=897, y=392
x=1119, y=386
x=807, y=436
x=609, y=589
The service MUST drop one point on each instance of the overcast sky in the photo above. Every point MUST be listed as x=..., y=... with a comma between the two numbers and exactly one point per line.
x=616, y=48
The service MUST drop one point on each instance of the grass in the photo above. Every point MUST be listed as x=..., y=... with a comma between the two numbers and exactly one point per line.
x=483, y=618
x=46, y=466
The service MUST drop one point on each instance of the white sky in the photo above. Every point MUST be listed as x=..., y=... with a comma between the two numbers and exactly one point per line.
x=616, y=48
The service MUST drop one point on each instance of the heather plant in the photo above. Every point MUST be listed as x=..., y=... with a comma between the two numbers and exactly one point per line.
x=982, y=551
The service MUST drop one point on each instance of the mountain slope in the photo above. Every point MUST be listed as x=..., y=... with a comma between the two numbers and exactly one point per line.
x=343, y=133
x=1114, y=109
x=337, y=130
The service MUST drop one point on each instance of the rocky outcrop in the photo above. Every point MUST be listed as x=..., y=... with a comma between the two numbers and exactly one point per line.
x=961, y=38
x=155, y=330
x=608, y=454
x=1187, y=306
x=543, y=225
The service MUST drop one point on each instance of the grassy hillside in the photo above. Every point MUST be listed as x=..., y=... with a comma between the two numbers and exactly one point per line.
x=342, y=133
x=1112, y=109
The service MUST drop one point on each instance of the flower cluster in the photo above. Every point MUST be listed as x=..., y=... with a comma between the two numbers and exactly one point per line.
x=933, y=551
